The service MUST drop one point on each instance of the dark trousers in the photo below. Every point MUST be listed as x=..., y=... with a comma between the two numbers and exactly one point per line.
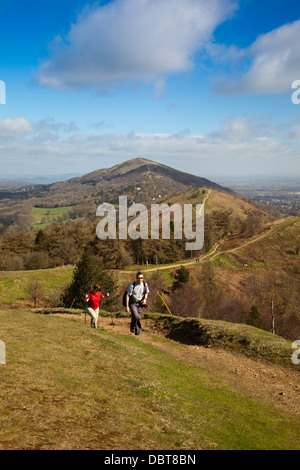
x=136, y=316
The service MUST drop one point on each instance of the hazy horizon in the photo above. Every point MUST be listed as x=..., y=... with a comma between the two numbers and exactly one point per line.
x=48, y=179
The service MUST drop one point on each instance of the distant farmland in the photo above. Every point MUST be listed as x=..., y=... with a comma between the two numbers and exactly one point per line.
x=44, y=216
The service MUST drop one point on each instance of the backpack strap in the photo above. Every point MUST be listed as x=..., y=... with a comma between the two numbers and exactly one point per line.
x=145, y=287
x=134, y=286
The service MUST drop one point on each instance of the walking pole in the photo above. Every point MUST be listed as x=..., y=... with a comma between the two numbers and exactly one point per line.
x=164, y=303
x=112, y=321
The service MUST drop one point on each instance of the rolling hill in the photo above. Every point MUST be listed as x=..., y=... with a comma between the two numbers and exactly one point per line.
x=140, y=179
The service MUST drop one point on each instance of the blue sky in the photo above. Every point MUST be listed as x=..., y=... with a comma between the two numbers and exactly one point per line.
x=200, y=85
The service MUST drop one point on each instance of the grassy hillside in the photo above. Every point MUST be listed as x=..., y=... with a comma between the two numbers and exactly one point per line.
x=44, y=216
x=141, y=180
x=216, y=200
x=279, y=247
x=66, y=386
x=13, y=283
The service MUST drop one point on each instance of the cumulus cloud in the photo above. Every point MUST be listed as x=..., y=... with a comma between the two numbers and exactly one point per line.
x=132, y=40
x=274, y=63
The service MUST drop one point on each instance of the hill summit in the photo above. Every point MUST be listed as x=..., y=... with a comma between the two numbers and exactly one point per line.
x=140, y=179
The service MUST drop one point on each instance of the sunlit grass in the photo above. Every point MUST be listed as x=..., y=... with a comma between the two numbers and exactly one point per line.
x=66, y=386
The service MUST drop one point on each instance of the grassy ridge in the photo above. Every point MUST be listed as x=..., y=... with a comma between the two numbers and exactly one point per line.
x=70, y=387
x=244, y=339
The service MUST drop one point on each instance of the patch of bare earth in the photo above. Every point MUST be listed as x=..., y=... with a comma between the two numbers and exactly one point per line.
x=270, y=383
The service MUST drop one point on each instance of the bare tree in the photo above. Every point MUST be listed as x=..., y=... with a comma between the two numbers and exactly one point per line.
x=34, y=289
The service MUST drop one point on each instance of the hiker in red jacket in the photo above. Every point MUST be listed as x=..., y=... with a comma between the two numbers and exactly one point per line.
x=93, y=303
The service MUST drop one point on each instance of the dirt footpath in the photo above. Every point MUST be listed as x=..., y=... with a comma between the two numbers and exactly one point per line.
x=273, y=384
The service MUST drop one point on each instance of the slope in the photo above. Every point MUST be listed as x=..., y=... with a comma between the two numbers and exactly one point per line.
x=216, y=200
x=66, y=386
x=279, y=245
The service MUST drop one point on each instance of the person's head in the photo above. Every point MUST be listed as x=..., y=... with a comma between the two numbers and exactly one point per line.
x=139, y=277
x=96, y=288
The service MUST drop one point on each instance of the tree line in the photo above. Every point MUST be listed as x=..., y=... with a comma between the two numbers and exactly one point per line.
x=63, y=244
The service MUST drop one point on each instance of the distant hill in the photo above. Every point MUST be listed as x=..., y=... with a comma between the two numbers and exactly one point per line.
x=140, y=179
x=6, y=185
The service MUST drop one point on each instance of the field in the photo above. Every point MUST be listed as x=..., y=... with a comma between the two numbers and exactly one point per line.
x=44, y=216
x=66, y=386
x=13, y=283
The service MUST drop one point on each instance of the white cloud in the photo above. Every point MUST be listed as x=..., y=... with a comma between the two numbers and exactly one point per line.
x=240, y=129
x=15, y=128
x=132, y=40
x=274, y=63
x=243, y=145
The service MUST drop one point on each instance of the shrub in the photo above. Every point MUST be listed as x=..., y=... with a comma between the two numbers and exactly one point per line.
x=88, y=272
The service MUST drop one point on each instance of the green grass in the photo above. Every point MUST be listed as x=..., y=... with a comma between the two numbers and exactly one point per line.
x=196, y=196
x=66, y=386
x=226, y=261
x=244, y=339
x=239, y=338
x=51, y=212
x=13, y=283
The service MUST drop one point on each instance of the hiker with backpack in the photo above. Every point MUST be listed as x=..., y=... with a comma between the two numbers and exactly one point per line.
x=136, y=300
x=93, y=303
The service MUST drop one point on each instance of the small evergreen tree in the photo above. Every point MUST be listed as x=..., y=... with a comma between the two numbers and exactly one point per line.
x=182, y=276
x=40, y=239
x=254, y=316
x=87, y=273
